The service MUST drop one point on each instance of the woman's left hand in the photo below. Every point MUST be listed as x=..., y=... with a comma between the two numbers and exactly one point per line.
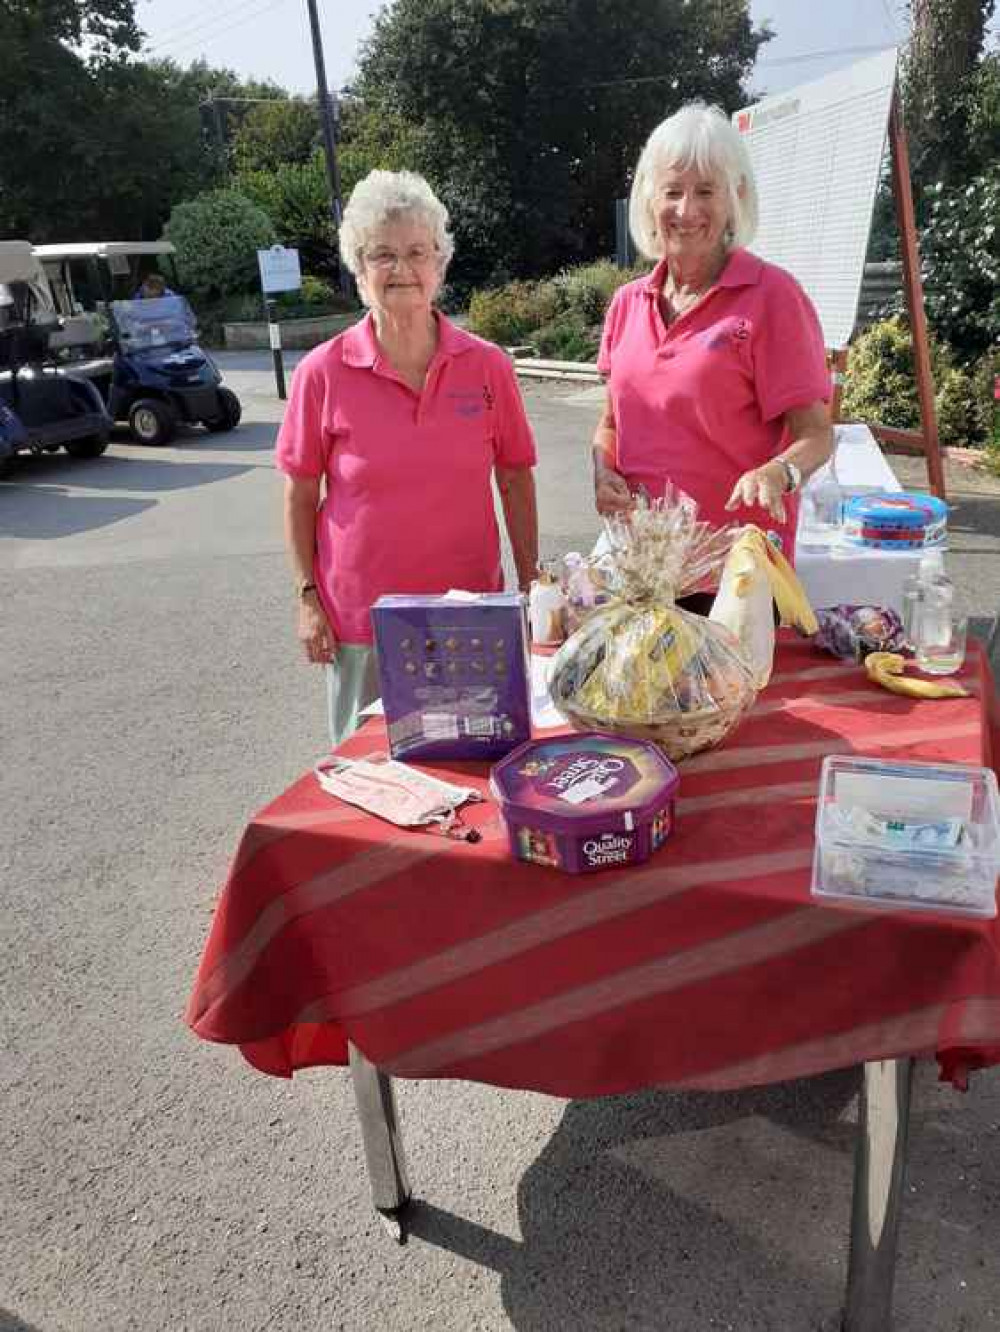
x=763, y=487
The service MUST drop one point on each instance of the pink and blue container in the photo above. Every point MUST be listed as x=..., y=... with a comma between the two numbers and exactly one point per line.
x=586, y=801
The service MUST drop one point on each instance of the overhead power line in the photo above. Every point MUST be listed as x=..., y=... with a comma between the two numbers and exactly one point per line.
x=197, y=43
x=194, y=23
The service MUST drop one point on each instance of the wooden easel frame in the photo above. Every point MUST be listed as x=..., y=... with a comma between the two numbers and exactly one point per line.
x=925, y=440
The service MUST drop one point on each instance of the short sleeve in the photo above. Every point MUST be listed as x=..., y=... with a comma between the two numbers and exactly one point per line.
x=789, y=355
x=614, y=322
x=301, y=449
x=513, y=440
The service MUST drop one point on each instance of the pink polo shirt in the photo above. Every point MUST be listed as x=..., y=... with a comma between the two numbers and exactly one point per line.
x=701, y=402
x=408, y=503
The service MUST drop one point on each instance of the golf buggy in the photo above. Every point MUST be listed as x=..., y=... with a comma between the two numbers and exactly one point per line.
x=42, y=408
x=145, y=359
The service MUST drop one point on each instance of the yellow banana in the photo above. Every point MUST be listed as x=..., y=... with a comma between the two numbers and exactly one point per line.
x=886, y=669
x=753, y=548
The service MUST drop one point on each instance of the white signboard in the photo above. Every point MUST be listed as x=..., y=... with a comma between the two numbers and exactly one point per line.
x=817, y=156
x=279, y=269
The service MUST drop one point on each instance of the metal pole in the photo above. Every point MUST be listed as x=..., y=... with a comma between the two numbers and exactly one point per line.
x=329, y=134
x=274, y=334
x=383, y=1142
x=879, y=1167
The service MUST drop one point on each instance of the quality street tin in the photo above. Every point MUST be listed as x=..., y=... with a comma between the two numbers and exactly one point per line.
x=586, y=801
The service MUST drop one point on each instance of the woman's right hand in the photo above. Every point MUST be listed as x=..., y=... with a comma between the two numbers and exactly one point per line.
x=314, y=631
x=611, y=492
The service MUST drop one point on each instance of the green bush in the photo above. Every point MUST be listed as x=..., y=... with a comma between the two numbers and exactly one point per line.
x=508, y=315
x=985, y=373
x=562, y=317
x=568, y=338
x=315, y=291
x=881, y=386
x=217, y=236
x=588, y=290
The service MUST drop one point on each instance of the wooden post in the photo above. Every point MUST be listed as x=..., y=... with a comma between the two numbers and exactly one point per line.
x=837, y=361
x=926, y=441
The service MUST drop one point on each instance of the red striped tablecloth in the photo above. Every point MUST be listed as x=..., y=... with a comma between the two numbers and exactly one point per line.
x=708, y=967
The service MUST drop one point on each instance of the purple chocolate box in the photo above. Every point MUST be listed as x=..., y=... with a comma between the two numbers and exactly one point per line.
x=454, y=674
x=586, y=801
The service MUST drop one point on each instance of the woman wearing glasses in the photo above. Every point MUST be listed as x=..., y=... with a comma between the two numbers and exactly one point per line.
x=393, y=433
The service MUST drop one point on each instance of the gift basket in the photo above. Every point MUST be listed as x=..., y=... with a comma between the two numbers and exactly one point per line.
x=641, y=666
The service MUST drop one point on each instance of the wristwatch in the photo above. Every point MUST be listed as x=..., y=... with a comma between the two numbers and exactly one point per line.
x=793, y=475
x=304, y=588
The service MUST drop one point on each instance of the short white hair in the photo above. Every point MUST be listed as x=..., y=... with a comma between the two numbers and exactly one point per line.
x=701, y=136
x=391, y=196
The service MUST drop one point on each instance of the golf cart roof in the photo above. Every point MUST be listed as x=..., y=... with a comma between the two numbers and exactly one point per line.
x=102, y=249
x=18, y=262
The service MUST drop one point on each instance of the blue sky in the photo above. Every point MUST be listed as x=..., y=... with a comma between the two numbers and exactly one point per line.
x=270, y=38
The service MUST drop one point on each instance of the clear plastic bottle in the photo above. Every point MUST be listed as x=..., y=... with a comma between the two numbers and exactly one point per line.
x=928, y=606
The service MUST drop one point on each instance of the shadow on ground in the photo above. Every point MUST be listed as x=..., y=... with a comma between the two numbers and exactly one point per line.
x=627, y=1177
x=11, y=1323
x=41, y=499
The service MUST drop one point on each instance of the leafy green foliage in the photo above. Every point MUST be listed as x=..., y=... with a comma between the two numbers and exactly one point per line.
x=97, y=147
x=587, y=290
x=275, y=133
x=217, y=236
x=960, y=251
x=531, y=113
x=881, y=386
x=568, y=338
x=374, y=139
x=507, y=315
x=561, y=317
x=108, y=26
x=296, y=197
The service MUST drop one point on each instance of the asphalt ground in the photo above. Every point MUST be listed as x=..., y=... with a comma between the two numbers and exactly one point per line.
x=153, y=698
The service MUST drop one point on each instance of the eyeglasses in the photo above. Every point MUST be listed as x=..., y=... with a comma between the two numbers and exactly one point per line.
x=416, y=257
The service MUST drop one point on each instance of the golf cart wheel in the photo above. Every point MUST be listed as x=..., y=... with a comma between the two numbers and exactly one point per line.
x=229, y=415
x=152, y=422
x=90, y=447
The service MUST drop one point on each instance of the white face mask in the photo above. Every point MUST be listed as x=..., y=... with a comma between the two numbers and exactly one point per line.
x=394, y=791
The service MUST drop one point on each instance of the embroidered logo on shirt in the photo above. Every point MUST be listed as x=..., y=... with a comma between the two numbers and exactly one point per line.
x=732, y=333
x=467, y=402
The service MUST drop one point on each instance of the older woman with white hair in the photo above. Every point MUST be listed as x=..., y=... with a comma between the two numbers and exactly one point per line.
x=393, y=434
x=714, y=364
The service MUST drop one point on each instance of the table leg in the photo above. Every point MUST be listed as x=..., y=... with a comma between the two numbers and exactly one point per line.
x=879, y=1166
x=383, y=1142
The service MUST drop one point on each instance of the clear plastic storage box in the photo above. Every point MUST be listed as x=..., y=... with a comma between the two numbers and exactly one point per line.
x=914, y=836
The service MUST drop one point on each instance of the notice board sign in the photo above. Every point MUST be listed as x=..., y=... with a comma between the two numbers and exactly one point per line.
x=817, y=155
x=279, y=269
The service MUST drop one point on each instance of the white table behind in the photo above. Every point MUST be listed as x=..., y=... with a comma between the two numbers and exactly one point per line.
x=830, y=574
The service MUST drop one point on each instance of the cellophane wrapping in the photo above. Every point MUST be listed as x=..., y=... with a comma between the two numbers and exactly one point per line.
x=640, y=665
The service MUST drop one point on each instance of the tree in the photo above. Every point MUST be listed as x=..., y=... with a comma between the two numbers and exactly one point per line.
x=275, y=133
x=109, y=26
x=96, y=143
x=296, y=197
x=940, y=75
x=529, y=114
x=217, y=236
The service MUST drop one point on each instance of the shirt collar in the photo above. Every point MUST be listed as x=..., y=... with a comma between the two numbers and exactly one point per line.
x=361, y=349
x=742, y=269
